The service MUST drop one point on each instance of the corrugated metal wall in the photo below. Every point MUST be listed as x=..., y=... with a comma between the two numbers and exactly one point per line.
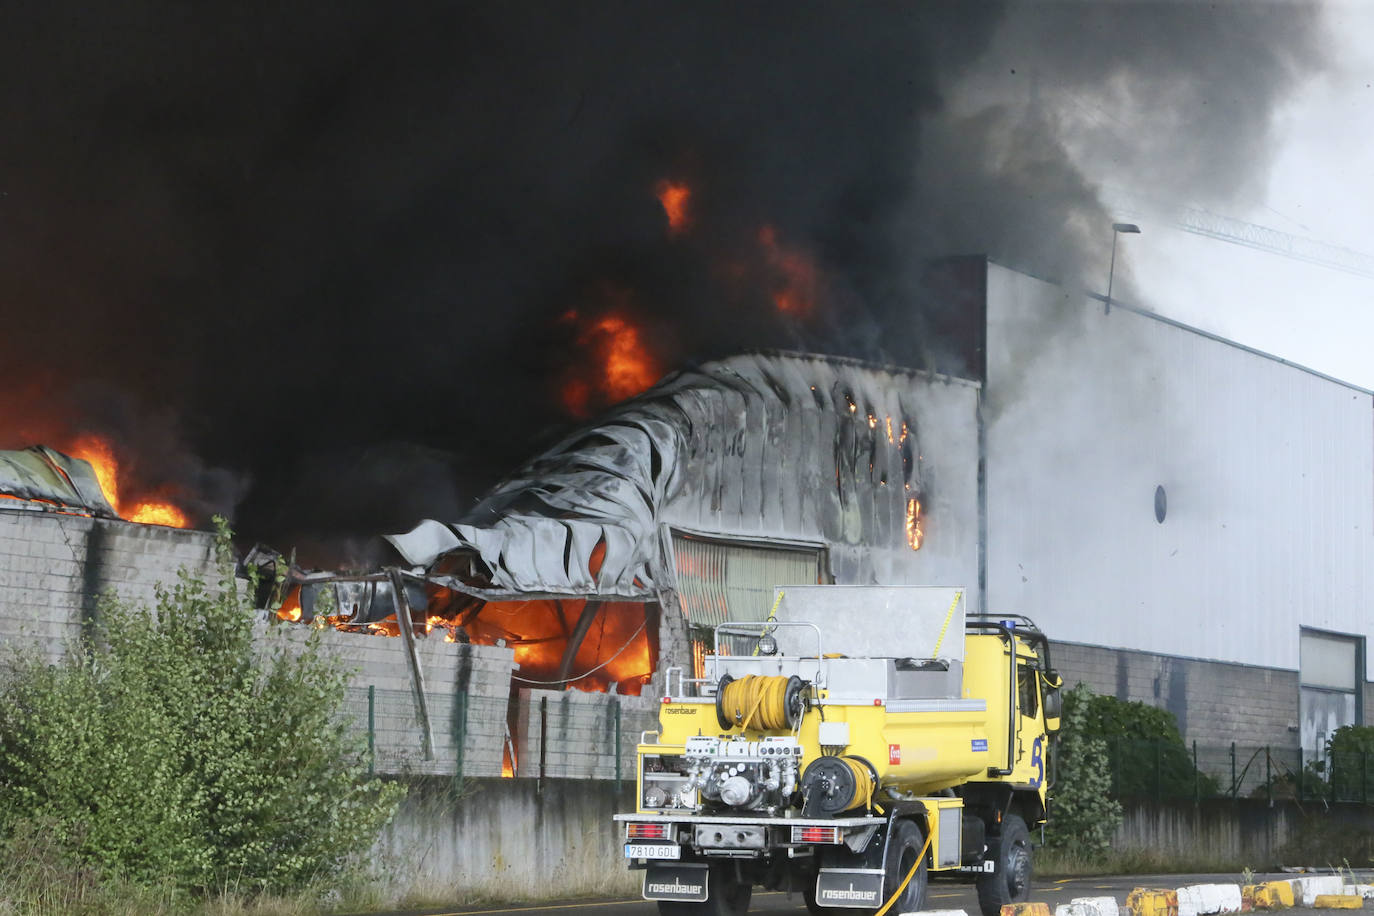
x=719, y=581
x=805, y=448
x=1268, y=472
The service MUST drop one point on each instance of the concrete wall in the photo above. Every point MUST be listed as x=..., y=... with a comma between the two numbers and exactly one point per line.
x=1247, y=831
x=53, y=568
x=527, y=839
x=508, y=839
x=467, y=694
x=581, y=730
x=1215, y=703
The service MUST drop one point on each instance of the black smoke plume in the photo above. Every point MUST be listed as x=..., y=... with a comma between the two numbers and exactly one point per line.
x=327, y=247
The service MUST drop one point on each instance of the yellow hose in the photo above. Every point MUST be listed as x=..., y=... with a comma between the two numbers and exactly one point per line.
x=762, y=696
x=863, y=783
x=909, y=875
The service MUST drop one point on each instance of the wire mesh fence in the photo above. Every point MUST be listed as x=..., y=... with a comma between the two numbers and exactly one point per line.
x=1157, y=770
x=539, y=734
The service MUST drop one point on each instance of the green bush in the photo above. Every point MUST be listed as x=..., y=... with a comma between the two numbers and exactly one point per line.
x=1148, y=756
x=1083, y=816
x=174, y=748
x=1345, y=773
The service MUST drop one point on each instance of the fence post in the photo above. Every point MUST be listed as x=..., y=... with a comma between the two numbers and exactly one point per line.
x=1233, y=771
x=617, y=744
x=371, y=729
x=543, y=738
x=1197, y=789
x=1300, y=779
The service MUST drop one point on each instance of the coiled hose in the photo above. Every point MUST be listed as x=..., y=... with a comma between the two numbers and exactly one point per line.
x=835, y=785
x=762, y=702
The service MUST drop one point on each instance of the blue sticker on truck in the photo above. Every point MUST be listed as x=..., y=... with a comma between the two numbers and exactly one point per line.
x=980, y=744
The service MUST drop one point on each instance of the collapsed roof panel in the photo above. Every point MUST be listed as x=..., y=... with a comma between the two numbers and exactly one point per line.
x=45, y=475
x=765, y=446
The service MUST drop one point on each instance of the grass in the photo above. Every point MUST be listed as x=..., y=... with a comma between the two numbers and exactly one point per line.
x=1050, y=863
x=39, y=878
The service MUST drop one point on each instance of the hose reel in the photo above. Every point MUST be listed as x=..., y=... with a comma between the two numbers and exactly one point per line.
x=762, y=702
x=834, y=785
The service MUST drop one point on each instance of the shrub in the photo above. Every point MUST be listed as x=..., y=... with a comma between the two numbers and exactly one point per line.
x=172, y=747
x=1083, y=815
x=1149, y=758
x=1344, y=772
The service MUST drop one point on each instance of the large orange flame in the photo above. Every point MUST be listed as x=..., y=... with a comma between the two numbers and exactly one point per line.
x=624, y=365
x=98, y=453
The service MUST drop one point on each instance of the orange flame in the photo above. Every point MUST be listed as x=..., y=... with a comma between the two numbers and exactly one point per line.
x=291, y=607
x=626, y=365
x=914, y=532
x=97, y=452
x=795, y=277
x=675, y=196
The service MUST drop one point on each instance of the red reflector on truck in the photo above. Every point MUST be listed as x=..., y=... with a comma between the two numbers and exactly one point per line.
x=816, y=835
x=646, y=831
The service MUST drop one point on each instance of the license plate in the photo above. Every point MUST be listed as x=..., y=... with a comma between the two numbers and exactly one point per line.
x=653, y=851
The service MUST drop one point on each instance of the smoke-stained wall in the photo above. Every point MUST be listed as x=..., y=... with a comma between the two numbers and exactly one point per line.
x=1264, y=522
x=831, y=451
x=55, y=569
x=876, y=465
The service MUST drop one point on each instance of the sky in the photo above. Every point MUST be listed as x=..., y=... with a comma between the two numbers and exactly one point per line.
x=1320, y=187
x=330, y=269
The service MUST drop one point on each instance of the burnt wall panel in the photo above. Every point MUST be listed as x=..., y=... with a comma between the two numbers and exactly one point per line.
x=857, y=437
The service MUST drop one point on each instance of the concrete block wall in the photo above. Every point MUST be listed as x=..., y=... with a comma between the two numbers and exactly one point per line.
x=1215, y=703
x=508, y=839
x=467, y=692
x=581, y=733
x=54, y=567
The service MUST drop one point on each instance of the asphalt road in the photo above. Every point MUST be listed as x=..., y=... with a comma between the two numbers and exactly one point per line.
x=940, y=896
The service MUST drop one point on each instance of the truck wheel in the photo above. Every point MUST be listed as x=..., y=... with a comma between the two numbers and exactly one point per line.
x=1011, y=882
x=728, y=896
x=903, y=846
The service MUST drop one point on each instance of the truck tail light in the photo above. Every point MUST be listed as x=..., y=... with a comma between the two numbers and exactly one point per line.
x=816, y=835
x=646, y=831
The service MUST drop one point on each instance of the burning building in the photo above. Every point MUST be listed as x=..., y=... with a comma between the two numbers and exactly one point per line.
x=610, y=555
x=1149, y=493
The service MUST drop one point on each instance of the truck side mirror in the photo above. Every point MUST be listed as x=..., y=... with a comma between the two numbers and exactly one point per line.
x=1053, y=701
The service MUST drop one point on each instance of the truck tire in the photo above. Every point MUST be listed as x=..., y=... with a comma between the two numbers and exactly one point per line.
x=727, y=896
x=1011, y=882
x=904, y=844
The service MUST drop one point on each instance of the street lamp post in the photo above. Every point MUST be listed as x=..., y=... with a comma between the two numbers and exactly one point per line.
x=1117, y=229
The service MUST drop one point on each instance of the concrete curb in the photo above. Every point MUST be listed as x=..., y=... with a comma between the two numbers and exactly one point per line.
x=1320, y=891
x=1339, y=902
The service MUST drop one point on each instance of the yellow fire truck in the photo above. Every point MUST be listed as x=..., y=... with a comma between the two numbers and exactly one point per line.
x=858, y=741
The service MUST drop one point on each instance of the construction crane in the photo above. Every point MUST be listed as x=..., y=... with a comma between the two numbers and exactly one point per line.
x=1238, y=232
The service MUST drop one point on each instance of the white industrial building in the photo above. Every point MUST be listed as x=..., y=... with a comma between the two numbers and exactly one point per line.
x=1196, y=518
